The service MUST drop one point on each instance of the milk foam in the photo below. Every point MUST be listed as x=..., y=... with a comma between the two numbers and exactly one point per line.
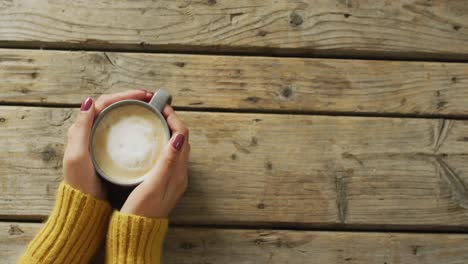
x=127, y=142
x=130, y=142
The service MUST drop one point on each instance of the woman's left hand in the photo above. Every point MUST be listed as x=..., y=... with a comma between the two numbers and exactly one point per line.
x=78, y=169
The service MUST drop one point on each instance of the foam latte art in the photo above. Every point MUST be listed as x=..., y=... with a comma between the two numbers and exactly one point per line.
x=130, y=143
x=127, y=142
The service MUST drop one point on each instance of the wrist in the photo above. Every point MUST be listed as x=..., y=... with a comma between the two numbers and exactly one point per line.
x=143, y=209
x=93, y=187
x=145, y=202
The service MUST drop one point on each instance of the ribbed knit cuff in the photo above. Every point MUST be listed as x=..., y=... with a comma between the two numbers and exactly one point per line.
x=74, y=230
x=134, y=239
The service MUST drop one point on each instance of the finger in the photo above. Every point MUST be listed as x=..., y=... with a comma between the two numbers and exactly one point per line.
x=181, y=178
x=79, y=132
x=169, y=159
x=178, y=184
x=174, y=122
x=107, y=99
x=148, y=96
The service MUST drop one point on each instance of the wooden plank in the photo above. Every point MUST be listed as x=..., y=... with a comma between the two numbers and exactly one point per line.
x=272, y=169
x=416, y=29
x=199, y=245
x=246, y=83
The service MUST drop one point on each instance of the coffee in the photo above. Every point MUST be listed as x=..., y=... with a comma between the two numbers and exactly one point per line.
x=127, y=142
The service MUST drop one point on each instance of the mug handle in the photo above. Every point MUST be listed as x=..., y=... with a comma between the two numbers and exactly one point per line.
x=160, y=99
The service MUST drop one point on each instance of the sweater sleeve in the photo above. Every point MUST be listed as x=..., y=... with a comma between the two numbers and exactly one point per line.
x=134, y=239
x=73, y=232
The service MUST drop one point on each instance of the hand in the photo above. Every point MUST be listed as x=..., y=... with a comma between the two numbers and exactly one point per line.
x=158, y=194
x=78, y=169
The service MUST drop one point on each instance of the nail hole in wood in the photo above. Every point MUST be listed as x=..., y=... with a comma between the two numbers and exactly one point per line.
x=180, y=64
x=252, y=99
x=286, y=92
x=295, y=19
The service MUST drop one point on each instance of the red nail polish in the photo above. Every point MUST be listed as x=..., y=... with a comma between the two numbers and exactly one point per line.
x=86, y=104
x=178, y=141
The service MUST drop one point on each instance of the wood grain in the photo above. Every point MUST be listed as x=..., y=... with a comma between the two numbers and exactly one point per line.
x=282, y=170
x=241, y=83
x=404, y=28
x=199, y=245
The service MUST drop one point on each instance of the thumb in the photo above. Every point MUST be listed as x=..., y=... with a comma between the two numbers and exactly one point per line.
x=79, y=132
x=171, y=152
x=168, y=158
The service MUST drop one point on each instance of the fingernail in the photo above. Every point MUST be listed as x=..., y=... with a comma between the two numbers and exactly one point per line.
x=86, y=104
x=178, y=141
x=149, y=95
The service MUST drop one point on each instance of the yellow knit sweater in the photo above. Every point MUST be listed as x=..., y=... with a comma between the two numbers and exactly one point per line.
x=78, y=225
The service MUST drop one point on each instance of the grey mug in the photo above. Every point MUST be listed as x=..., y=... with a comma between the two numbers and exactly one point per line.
x=160, y=98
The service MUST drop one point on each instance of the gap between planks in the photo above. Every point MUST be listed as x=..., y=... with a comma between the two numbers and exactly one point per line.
x=265, y=52
x=266, y=111
x=296, y=227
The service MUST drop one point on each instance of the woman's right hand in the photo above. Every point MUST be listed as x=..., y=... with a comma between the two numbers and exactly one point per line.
x=158, y=194
x=78, y=169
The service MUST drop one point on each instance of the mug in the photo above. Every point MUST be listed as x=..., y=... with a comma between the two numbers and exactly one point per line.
x=156, y=105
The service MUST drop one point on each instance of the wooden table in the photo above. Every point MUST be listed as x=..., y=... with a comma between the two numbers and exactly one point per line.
x=328, y=131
